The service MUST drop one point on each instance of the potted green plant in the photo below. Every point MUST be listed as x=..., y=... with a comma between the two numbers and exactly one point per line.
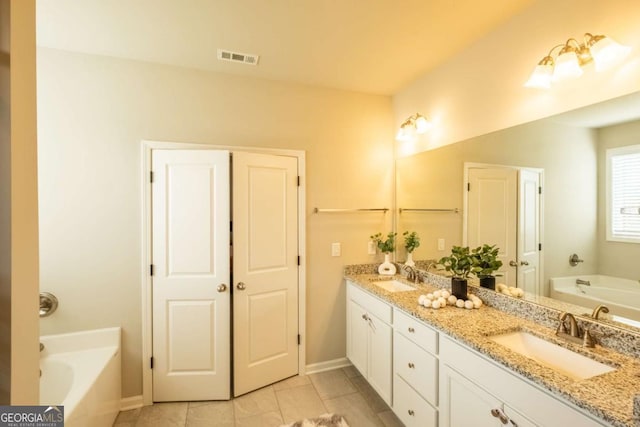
x=485, y=263
x=460, y=265
x=386, y=246
x=411, y=242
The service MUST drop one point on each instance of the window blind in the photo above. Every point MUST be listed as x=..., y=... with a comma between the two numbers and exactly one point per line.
x=624, y=206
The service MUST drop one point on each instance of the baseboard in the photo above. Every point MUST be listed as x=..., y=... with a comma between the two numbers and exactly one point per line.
x=329, y=365
x=133, y=402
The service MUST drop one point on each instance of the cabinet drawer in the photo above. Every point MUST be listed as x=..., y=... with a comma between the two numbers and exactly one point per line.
x=410, y=407
x=416, y=331
x=417, y=367
x=370, y=303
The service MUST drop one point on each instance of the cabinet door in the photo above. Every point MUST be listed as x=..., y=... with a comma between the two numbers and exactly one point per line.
x=380, y=350
x=463, y=403
x=357, y=336
x=516, y=418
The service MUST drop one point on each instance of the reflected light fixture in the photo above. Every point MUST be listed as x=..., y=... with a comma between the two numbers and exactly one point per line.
x=416, y=124
x=603, y=51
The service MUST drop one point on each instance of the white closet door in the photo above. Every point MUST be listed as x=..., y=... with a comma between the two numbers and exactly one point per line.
x=492, y=215
x=191, y=297
x=529, y=232
x=265, y=269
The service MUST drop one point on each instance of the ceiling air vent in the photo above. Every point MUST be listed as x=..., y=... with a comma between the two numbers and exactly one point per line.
x=245, y=58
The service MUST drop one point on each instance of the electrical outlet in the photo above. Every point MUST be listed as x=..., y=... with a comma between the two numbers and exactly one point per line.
x=371, y=248
x=336, y=249
x=441, y=244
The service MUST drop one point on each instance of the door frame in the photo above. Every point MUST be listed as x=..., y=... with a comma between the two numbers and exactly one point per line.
x=147, y=146
x=465, y=208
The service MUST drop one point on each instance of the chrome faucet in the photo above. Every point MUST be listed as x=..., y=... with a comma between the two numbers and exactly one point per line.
x=598, y=309
x=573, y=332
x=412, y=273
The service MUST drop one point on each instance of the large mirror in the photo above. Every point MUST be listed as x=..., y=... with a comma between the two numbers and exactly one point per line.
x=569, y=155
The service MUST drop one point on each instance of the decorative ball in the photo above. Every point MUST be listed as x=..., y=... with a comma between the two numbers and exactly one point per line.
x=437, y=294
x=430, y=296
x=468, y=304
x=421, y=299
x=445, y=293
x=477, y=304
x=435, y=304
x=452, y=299
x=442, y=301
x=460, y=303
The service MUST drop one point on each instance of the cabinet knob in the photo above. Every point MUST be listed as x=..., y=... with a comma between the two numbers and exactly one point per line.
x=410, y=411
x=411, y=365
x=411, y=329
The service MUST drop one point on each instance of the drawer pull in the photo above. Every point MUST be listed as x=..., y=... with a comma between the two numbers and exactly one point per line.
x=411, y=365
x=497, y=413
x=365, y=317
x=411, y=329
x=410, y=411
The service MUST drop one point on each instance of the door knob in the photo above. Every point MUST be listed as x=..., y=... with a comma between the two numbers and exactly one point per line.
x=524, y=262
x=241, y=286
x=513, y=263
x=222, y=287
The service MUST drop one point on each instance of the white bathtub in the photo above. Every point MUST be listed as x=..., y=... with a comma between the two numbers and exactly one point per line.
x=81, y=371
x=622, y=296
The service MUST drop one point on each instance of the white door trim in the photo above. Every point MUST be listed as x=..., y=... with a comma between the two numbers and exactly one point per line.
x=465, y=205
x=147, y=329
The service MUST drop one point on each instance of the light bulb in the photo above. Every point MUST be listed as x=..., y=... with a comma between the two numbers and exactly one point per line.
x=606, y=52
x=567, y=65
x=422, y=124
x=542, y=74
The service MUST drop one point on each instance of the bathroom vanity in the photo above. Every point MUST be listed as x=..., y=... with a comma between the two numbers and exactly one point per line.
x=443, y=368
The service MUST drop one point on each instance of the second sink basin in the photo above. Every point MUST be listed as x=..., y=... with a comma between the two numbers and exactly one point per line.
x=394, y=286
x=565, y=361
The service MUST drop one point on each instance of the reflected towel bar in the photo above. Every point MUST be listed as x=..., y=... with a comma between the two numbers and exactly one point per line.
x=318, y=210
x=454, y=210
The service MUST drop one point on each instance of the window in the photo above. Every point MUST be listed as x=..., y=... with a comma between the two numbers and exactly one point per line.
x=623, y=194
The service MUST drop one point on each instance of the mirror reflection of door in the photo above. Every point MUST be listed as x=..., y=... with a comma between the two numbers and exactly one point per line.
x=503, y=209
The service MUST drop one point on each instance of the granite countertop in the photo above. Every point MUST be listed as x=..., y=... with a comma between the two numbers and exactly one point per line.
x=609, y=396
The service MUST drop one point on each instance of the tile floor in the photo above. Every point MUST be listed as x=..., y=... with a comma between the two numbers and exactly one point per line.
x=341, y=391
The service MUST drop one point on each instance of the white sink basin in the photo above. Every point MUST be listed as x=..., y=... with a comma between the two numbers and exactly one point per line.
x=394, y=286
x=565, y=361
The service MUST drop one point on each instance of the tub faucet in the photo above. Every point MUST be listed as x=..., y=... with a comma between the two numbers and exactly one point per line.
x=583, y=282
x=41, y=346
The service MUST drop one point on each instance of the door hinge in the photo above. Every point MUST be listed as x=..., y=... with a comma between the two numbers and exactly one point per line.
x=151, y=270
x=298, y=181
x=298, y=259
x=539, y=190
x=468, y=186
x=230, y=225
x=539, y=246
x=151, y=362
x=151, y=176
x=299, y=339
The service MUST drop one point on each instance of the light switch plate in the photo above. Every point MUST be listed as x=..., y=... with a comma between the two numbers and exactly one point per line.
x=371, y=248
x=441, y=244
x=336, y=249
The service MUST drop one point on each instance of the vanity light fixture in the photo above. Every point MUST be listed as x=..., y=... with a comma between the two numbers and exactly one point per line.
x=603, y=51
x=415, y=124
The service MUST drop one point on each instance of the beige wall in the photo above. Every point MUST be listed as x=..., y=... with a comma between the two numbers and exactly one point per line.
x=481, y=89
x=434, y=179
x=19, y=357
x=615, y=258
x=93, y=113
